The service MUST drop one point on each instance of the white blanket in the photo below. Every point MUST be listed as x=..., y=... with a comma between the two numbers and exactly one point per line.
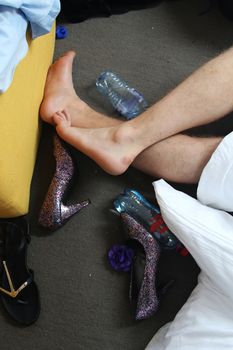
x=205, y=322
x=14, y=18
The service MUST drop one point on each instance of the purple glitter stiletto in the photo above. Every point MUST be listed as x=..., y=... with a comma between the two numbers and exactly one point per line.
x=147, y=300
x=54, y=213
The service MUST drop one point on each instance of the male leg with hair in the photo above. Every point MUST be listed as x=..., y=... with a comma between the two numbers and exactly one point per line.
x=151, y=142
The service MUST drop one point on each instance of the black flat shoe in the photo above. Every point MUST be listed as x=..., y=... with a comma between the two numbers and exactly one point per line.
x=18, y=290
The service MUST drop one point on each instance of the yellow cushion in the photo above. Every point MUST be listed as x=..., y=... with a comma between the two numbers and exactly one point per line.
x=19, y=126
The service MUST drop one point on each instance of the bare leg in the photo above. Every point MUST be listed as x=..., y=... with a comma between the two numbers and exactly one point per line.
x=82, y=115
x=179, y=158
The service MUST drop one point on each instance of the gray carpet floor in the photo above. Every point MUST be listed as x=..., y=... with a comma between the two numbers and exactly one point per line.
x=84, y=303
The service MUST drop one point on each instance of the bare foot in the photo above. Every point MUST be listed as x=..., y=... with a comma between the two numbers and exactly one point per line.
x=59, y=91
x=111, y=149
x=59, y=95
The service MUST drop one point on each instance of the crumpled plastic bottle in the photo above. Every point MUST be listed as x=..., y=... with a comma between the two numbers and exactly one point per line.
x=125, y=99
x=149, y=215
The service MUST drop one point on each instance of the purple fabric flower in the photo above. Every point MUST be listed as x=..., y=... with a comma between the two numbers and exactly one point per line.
x=120, y=257
x=61, y=32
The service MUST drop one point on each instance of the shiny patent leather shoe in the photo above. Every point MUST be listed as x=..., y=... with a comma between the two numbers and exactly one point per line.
x=54, y=213
x=18, y=290
x=143, y=294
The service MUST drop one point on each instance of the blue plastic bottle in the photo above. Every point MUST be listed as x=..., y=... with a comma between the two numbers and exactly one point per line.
x=126, y=100
x=148, y=215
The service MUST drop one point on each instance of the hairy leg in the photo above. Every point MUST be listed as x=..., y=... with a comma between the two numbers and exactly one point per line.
x=179, y=158
x=198, y=100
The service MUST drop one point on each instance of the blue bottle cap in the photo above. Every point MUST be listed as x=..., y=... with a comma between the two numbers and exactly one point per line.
x=61, y=32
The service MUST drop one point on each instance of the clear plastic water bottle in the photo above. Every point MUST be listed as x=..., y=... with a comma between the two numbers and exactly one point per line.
x=126, y=100
x=148, y=215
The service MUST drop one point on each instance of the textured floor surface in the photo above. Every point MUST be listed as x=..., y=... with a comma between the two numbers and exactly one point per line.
x=84, y=303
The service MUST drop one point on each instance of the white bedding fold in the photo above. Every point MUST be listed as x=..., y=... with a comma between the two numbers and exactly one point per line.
x=40, y=14
x=14, y=18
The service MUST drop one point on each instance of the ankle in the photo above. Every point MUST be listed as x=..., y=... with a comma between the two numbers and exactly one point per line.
x=124, y=134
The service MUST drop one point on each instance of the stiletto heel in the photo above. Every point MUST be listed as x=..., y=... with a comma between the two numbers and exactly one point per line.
x=54, y=213
x=145, y=296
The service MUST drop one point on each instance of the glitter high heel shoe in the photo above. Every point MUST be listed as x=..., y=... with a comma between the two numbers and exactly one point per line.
x=143, y=295
x=147, y=214
x=54, y=213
